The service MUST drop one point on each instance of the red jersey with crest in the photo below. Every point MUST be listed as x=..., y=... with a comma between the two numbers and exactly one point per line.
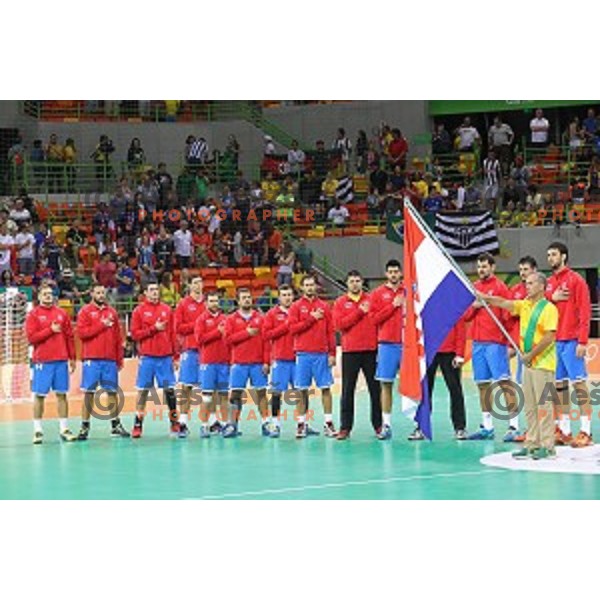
x=277, y=333
x=245, y=348
x=47, y=345
x=310, y=334
x=210, y=341
x=359, y=333
x=388, y=319
x=187, y=312
x=99, y=342
x=150, y=341
x=483, y=328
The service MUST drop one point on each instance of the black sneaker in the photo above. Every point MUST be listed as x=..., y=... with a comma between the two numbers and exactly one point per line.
x=216, y=427
x=83, y=434
x=118, y=431
x=416, y=436
x=183, y=430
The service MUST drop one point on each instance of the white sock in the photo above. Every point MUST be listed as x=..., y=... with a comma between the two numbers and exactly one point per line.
x=265, y=420
x=565, y=424
x=514, y=422
x=37, y=425
x=328, y=417
x=586, y=424
x=183, y=418
x=487, y=420
x=212, y=418
x=63, y=424
x=302, y=419
x=387, y=419
x=276, y=421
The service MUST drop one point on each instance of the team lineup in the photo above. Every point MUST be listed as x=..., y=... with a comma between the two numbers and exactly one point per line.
x=281, y=354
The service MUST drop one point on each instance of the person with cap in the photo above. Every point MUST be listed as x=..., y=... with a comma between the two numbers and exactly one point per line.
x=269, y=146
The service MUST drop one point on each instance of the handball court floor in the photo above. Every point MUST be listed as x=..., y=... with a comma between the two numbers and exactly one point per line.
x=252, y=467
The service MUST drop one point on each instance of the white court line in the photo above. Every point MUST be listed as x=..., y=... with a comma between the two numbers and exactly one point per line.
x=346, y=484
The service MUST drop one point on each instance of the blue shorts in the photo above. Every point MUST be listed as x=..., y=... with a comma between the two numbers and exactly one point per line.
x=98, y=373
x=159, y=368
x=189, y=368
x=214, y=378
x=389, y=357
x=48, y=376
x=490, y=362
x=282, y=375
x=312, y=365
x=568, y=366
x=242, y=374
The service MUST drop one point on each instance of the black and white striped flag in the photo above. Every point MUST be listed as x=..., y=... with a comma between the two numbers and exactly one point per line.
x=467, y=235
x=345, y=189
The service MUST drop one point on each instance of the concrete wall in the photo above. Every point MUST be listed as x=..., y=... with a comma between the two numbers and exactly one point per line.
x=368, y=254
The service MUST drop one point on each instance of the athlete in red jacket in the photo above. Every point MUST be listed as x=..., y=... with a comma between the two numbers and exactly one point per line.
x=48, y=329
x=152, y=327
x=359, y=352
x=249, y=361
x=186, y=314
x=99, y=330
x=387, y=312
x=214, y=365
x=278, y=336
x=311, y=325
x=570, y=292
x=490, y=351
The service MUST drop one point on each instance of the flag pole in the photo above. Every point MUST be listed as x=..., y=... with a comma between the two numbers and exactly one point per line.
x=413, y=211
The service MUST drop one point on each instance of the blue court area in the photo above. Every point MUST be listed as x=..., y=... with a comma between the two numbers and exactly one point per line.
x=252, y=467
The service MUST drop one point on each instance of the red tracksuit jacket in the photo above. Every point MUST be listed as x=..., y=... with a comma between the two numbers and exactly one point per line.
x=310, y=334
x=484, y=329
x=150, y=341
x=276, y=331
x=186, y=313
x=210, y=343
x=388, y=320
x=47, y=345
x=358, y=330
x=246, y=349
x=456, y=339
x=574, y=314
x=97, y=340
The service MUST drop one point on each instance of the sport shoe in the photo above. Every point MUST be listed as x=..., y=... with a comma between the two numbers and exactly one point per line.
x=275, y=430
x=329, y=430
x=385, y=433
x=118, y=431
x=67, y=436
x=301, y=431
x=215, y=428
x=541, y=453
x=266, y=429
x=416, y=436
x=136, y=432
x=38, y=437
x=522, y=453
x=511, y=435
x=205, y=431
x=84, y=433
x=310, y=430
x=174, y=429
x=343, y=434
x=519, y=439
x=183, y=430
x=461, y=434
x=582, y=439
x=230, y=430
x=562, y=439
x=482, y=434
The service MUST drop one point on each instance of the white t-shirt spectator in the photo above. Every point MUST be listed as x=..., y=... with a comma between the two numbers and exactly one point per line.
x=539, y=130
x=20, y=216
x=296, y=159
x=7, y=240
x=22, y=238
x=183, y=242
x=467, y=135
x=338, y=215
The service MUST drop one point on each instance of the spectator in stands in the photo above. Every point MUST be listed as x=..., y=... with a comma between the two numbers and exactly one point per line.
x=391, y=203
x=379, y=179
x=284, y=204
x=304, y=256
x=472, y=196
x=197, y=151
x=256, y=244
x=440, y=140
x=16, y=161
x=269, y=146
x=149, y=191
x=594, y=176
x=164, y=183
x=373, y=203
x=55, y=160
x=270, y=187
x=101, y=222
x=468, y=136
x=328, y=188
x=107, y=244
x=169, y=294
x=25, y=248
x=19, y=214
x=232, y=149
x=214, y=221
x=310, y=189
x=539, y=128
x=41, y=235
x=70, y=159
x=145, y=250
x=274, y=242
x=163, y=249
x=66, y=286
x=83, y=285
x=182, y=241
x=492, y=175
x=338, y=214
x=286, y=260
x=37, y=158
x=521, y=176
x=575, y=136
x=266, y=300
x=101, y=156
x=106, y=271
x=397, y=150
x=362, y=149
x=136, y=158
x=295, y=159
x=397, y=178
x=434, y=201
x=75, y=239
x=321, y=161
x=509, y=193
x=147, y=275
x=500, y=139
x=343, y=146
x=6, y=247
x=385, y=138
x=125, y=278
x=373, y=159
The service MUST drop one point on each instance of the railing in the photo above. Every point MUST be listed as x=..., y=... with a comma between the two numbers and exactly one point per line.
x=557, y=165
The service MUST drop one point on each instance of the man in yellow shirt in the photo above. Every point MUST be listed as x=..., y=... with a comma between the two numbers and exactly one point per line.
x=270, y=188
x=538, y=324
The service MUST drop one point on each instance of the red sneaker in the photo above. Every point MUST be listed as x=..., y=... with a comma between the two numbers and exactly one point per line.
x=343, y=434
x=174, y=428
x=582, y=440
x=562, y=439
x=136, y=432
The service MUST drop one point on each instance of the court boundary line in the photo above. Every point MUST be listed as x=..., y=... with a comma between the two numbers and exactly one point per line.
x=343, y=484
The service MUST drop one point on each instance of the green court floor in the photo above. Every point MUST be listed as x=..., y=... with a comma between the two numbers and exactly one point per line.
x=250, y=467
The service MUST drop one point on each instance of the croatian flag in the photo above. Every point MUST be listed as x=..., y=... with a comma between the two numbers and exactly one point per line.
x=437, y=295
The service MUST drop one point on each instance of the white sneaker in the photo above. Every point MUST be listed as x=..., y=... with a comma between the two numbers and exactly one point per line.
x=329, y=429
